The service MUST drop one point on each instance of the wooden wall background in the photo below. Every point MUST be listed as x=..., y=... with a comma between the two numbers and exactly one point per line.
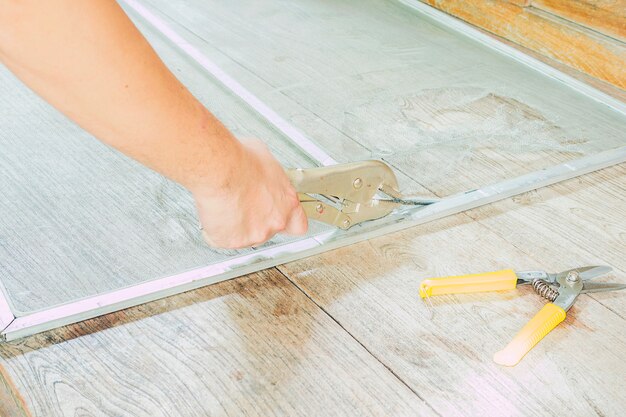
x=587, y=35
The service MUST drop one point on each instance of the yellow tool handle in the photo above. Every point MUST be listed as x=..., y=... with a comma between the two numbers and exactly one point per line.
x=488, y=281
x=535, y=330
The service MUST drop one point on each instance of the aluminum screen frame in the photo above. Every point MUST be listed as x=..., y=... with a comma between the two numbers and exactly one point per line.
x=13, y=327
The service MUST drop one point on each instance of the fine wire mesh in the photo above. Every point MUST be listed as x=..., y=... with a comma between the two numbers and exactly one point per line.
x=377, y=79
x=364, y=79
x=78, y=218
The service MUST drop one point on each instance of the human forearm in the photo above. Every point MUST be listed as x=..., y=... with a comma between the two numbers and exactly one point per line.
x=89, y=61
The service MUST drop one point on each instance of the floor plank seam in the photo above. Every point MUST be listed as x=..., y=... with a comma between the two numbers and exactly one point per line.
x=388, y=368
x=605, y=306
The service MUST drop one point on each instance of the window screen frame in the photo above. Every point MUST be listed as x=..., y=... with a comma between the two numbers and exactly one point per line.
x=13, y=327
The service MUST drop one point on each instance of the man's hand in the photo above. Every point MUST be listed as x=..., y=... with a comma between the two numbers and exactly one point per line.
x=258, y=202
x=88, y=60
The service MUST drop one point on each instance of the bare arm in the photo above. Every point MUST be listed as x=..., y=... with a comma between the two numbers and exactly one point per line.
x=89, y=61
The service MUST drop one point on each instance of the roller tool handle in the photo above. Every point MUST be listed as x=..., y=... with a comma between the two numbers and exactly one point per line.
x=488, y=281
x=547, y=319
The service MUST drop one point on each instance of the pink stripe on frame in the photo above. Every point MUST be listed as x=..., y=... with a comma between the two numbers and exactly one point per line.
x=297, y=137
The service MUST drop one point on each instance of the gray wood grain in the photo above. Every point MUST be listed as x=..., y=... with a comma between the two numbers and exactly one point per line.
x=255, y=346
x=592, y=229
x=445, y=110
x=372, y=289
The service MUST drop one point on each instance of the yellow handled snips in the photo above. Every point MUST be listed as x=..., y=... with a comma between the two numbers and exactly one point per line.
x=561, y=289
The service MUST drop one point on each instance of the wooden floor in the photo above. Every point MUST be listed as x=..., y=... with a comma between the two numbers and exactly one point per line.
x=346, y=334
x=588, y=35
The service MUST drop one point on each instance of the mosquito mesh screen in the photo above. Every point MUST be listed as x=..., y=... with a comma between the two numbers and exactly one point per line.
x=364, y=79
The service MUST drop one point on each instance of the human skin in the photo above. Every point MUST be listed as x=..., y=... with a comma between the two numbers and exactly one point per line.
x=88, y=60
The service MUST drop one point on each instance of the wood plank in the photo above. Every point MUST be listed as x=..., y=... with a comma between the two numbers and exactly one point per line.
x=585, y=51
x=11, y=404
x=254, y=346
x=581, y=221
x=598, y=84
x=605, y=16
x=372, y=290
x=522, y=3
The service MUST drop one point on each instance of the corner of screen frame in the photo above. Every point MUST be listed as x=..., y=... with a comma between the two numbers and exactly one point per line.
x=6, y=315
